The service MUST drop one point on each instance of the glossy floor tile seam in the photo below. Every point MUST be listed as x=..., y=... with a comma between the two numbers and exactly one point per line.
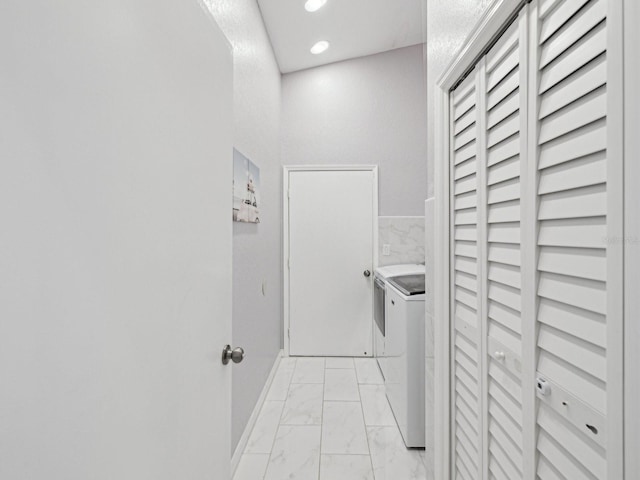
x=366, y=436
x=273, y=442
x=286, y=397
x=324, y=392
x=300, y=451
x=366, y=433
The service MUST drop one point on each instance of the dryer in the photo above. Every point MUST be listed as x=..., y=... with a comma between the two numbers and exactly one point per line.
x=381, y=276
x=404, y=355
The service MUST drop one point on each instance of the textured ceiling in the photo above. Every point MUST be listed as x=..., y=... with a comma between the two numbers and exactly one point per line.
x=354, y=28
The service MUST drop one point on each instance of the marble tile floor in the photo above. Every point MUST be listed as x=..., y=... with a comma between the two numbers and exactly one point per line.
x=328, y=419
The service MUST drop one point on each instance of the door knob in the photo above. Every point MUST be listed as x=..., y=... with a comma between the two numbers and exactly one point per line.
x=236, y=355
x=367, y=273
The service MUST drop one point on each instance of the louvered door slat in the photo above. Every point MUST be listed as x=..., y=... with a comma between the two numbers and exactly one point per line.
x=575, y=203
x=546, y=471
x=504, y=274
x=583, y=81
x=465, y=121
x=507, y=380
x=575, y=262
x=512, y=408
x=578, y=143
x=588, y=48
x=503, y=151
x=465, y=169
x=507, y=434
x=508, y=317
x=503, y=162
x=465, y=276
x=504, y=191
x=503, y=67
x=508, y=85
x=583, y=111
x=589, y=326
x=577, y=27
x=584, y=454
x=504, y=109
x=586, y=232
x=553, y=454
x=506, y=337
x=497, y=452
x=558, y=17
x=504, y=129
x=508, y=232
x=572, y=258
x=589, y=170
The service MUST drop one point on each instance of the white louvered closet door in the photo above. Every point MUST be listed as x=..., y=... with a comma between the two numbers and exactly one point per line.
x=466, y=362
x=536, y=272
x=577, y=171
x=504, y=126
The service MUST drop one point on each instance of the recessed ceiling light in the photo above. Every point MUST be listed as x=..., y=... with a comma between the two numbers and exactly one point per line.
x=319, y=47
x=313, y=5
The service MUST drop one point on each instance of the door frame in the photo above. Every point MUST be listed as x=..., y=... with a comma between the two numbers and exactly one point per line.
x=286, y=170
x=631, y=238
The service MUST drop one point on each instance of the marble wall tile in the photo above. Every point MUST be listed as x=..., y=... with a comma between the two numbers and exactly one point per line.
x=405, y=235
x=429, y=347
x=429, y=241
x=429, y=405
x=429, y=259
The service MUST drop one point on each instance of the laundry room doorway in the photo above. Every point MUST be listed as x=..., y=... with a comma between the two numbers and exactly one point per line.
x=330, y=220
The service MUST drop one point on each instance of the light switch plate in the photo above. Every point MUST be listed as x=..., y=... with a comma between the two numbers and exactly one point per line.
x=386, y=249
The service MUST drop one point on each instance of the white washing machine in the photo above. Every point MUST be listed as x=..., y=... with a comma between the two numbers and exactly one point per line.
x=381, y=276
x=404, y=355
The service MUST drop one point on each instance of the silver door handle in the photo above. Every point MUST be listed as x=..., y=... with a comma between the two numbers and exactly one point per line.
x=236, y=355
x=366, y=273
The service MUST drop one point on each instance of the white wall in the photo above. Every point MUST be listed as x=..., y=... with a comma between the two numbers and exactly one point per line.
x=369, y=110
x=447, y=25
x=257, y=317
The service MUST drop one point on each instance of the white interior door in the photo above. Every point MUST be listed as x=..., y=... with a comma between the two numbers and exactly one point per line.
x=502, y=81
x=577, y=166
x=466, y=276
x=536, y=202
x=331, y=220
x=115, y=245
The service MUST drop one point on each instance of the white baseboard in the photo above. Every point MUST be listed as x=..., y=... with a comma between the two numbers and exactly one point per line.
x=242, y=444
